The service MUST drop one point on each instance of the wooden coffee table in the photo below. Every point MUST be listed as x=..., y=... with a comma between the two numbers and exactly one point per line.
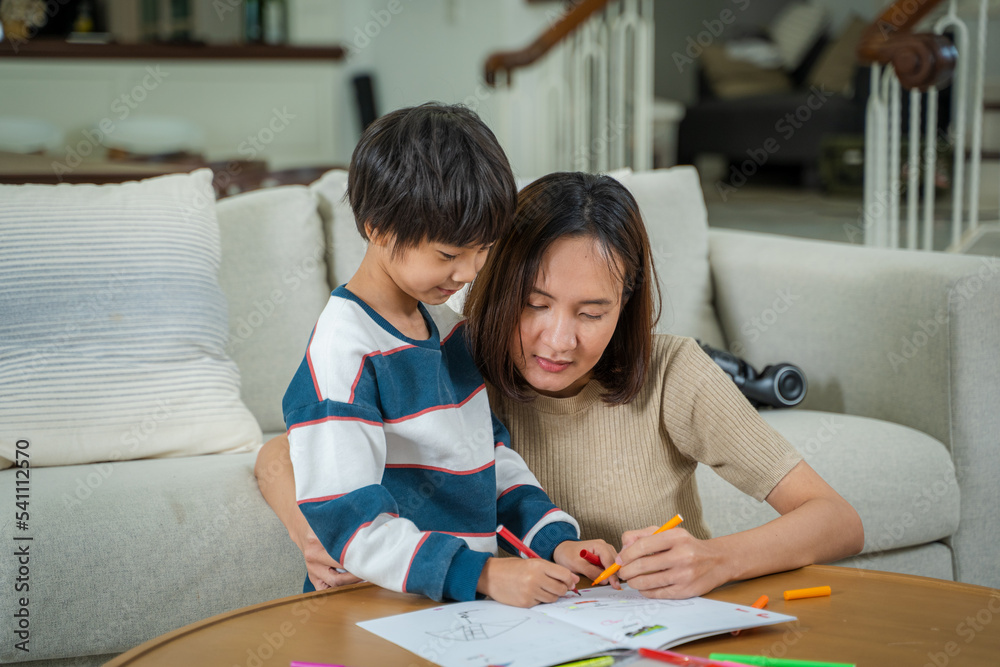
x=872, y=619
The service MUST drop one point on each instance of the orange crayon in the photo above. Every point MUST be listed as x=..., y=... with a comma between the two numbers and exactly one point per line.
x=814, y=592
x=676, y=521
x=759, y=604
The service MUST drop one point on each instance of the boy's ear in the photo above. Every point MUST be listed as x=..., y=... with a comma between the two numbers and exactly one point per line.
x=373, y=236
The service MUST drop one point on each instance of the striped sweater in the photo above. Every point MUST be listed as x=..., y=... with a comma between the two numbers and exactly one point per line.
x=401, y=468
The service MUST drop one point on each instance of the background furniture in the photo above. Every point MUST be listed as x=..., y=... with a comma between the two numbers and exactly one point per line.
x=862, y=622
x=777, y=114
x=133, y=549
x=282, y=104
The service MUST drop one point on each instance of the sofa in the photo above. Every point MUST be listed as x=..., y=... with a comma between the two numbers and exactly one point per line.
x=759, y=116
x=900, y=351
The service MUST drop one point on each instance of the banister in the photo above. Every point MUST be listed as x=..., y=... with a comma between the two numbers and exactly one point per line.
x=920, y=60
x=510, y=60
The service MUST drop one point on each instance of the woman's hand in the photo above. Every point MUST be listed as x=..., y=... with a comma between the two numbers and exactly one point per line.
x=524, y=582
x=277, y=483
x=671, y=564
x=567, y=554
x=321, y=567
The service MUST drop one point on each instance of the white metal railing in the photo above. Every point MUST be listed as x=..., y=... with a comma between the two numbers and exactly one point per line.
x=883, y=187
x=587, y=104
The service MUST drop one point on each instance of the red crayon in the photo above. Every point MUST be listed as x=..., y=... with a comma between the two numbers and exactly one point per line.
x=520, y=546
x=516, y=543
x=590, y=557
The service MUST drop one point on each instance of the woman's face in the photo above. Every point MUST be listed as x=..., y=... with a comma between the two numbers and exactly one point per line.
x=571, y=315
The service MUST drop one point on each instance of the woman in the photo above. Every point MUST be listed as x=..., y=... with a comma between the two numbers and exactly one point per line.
x=610, y=418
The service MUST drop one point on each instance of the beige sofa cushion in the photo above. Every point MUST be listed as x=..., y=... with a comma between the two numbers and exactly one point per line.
x=346, y=247
x=674, y=212
x=113, y=326
x=274, y=274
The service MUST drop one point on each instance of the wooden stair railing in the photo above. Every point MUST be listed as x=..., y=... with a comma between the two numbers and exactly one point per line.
x=508, y=61
x=920, y=60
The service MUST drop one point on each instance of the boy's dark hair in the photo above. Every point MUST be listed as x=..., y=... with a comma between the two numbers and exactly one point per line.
x=432, y=172
x=556, y=206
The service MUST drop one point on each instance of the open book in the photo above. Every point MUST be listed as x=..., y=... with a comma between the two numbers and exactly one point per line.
x=482, y=633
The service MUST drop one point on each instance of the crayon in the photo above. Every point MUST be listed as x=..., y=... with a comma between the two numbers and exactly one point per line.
x=683, y=659
x=759, y=604
x=516, y=543
x=615, y=566
x=601, y=661
x=800, y=593
x=521, y=546
x=763, y=661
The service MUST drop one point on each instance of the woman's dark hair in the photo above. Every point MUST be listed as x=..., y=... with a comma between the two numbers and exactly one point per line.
x=556, y=206
x=431, y=172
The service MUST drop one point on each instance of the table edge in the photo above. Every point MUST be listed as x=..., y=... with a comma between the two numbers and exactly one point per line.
x=156, y=642
x=834, y=570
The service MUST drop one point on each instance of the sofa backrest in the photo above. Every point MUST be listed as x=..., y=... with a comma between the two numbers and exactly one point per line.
x=274, y=275
x=673, y=209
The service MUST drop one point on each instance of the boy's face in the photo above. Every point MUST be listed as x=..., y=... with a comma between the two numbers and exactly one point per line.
x=432, y=271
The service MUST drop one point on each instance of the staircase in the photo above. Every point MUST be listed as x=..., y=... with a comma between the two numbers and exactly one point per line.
x=580, y=96
x=922, y=63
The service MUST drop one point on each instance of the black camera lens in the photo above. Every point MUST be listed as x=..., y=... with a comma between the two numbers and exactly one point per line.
x=790, y=384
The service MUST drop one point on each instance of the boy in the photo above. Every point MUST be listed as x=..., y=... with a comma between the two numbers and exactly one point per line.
x=400, y=467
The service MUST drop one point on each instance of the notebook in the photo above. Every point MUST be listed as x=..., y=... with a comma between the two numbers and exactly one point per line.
x=483, y=633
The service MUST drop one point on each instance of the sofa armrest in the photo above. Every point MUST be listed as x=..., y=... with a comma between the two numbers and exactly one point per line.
x=907, y=337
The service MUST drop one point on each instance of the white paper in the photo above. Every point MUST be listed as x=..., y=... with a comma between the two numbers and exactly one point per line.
x=477, y=634
x=632, y=621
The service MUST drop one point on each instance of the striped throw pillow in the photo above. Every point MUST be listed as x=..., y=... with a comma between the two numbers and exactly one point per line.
x=113, y=326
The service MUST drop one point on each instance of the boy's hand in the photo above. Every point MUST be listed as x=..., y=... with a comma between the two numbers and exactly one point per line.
x=322, y=569
x=524, y=582
x=568, y=555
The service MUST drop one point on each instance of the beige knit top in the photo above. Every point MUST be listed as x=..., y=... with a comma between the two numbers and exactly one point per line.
x=618, y=468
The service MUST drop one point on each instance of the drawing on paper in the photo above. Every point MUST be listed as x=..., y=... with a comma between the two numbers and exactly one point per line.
x=645, y=630
x=617, y=601
x=468, y=630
